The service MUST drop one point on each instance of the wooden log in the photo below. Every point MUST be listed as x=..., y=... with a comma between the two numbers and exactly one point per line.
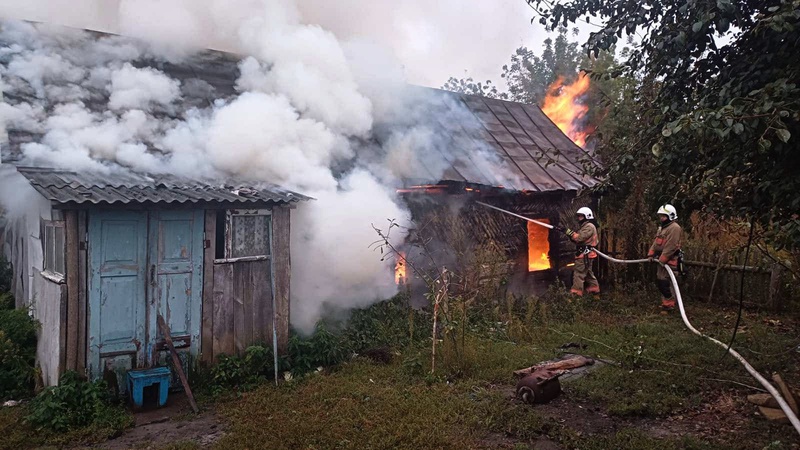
x=773, y=414
x=787, y=394
x=765, y=400
x=570, y=362
x=176, y=361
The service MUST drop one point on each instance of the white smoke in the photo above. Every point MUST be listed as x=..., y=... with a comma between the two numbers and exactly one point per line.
x=133, y=88
x=298, y=108
x=305, y=110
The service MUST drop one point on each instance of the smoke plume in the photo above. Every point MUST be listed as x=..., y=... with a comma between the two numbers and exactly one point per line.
x=330, y=119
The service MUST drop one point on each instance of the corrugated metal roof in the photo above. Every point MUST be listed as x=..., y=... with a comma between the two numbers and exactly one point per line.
x=61, y=186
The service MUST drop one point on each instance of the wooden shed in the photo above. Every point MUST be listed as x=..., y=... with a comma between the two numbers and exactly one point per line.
x=107, y=254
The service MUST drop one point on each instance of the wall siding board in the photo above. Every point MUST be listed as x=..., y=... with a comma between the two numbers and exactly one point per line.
x=207, y=327
x=223, y=310
x=73, y=280
x=241, y=272
x=282, y=259
x=82, y=284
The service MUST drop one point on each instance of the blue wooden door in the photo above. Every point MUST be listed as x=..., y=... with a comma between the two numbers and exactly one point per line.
x=137, y=272
x=117, y=280
x=176, y=258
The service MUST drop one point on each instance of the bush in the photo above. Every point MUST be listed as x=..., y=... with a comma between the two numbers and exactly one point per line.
x=17, y=353
x=75, y=403
x=5, y=277
x=242, y=371
x=386, y=324
x=322, y=348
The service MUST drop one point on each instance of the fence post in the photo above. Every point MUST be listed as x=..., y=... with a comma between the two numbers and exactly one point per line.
x=775, y=287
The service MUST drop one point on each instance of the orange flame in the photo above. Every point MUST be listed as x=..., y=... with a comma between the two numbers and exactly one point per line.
x=562, y=107
x=400, y=269
x=538, y=246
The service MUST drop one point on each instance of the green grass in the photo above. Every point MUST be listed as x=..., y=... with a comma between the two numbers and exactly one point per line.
x=659, y=370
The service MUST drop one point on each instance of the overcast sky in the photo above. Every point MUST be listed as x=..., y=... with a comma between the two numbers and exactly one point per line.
x=432, y=39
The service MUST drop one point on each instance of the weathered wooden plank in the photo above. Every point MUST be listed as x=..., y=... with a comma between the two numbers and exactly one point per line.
x=248, y=316
x=207, y=313
x=73, y=280
x=223, y=310
x=241, y=274
x=62, y=331
x=262, y=304
x=176, y=362
x=82, y=290
x=281, y=259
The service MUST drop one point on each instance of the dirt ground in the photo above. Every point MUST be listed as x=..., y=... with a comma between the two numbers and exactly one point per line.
x=173, y=423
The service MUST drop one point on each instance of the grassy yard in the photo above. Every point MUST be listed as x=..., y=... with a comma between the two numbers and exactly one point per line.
x=663, y=387
x=666, y=388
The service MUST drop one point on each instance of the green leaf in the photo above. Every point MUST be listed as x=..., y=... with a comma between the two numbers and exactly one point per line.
x=697, y=26
x=783, y=135
x=738, y=128
x=666, y=132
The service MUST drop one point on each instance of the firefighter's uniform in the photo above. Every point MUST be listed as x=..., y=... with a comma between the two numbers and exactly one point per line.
x=586, y=237
x=666, y=248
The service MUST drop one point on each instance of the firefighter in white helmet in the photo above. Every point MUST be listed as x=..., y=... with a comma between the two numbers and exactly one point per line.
x=585, y=239
x=667, y=248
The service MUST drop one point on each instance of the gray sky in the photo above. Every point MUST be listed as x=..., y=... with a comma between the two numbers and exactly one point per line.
x=432, y=39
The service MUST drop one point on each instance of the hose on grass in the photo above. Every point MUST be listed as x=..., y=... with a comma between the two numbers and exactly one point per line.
x=763, y=381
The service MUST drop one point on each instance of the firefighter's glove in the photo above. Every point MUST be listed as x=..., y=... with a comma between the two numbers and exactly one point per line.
x=568, y=232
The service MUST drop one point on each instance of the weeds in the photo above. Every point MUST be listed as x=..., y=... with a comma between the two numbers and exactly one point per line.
x=76, y=403
x=17, y=353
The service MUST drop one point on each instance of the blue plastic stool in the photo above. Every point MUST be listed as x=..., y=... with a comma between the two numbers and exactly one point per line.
x=140, y=379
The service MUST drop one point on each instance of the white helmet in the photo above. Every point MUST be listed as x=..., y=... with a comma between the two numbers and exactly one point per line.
x=586, y=213
x=669, y=211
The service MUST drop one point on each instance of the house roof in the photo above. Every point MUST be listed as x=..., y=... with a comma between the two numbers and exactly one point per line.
x=484, y=141
x=519, y=146
x=61, y=186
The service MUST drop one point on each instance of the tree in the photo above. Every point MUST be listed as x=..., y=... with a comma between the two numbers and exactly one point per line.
x=529, y=75
x=471, y=87
x=721, y=122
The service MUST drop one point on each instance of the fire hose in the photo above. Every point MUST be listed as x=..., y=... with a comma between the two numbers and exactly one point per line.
x=767, y=385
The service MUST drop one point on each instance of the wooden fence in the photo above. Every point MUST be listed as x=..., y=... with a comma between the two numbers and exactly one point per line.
x=713, y=276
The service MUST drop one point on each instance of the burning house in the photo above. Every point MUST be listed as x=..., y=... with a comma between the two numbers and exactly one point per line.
x=136, y=186
x=512, y=156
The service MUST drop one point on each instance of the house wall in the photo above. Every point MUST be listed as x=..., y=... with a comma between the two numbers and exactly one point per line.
x=44, y=298
x=50, y=301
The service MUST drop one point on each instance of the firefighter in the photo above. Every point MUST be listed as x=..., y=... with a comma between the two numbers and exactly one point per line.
x=667, y=248
x=585, y=239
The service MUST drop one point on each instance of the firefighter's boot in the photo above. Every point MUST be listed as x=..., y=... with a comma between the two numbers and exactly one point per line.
x=667, y=304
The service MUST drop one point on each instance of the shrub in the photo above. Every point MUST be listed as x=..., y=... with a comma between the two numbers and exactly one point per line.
x=75, y=403
x=17, y=353
x=5, y=277
x=322, y=348
x=242, y=371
